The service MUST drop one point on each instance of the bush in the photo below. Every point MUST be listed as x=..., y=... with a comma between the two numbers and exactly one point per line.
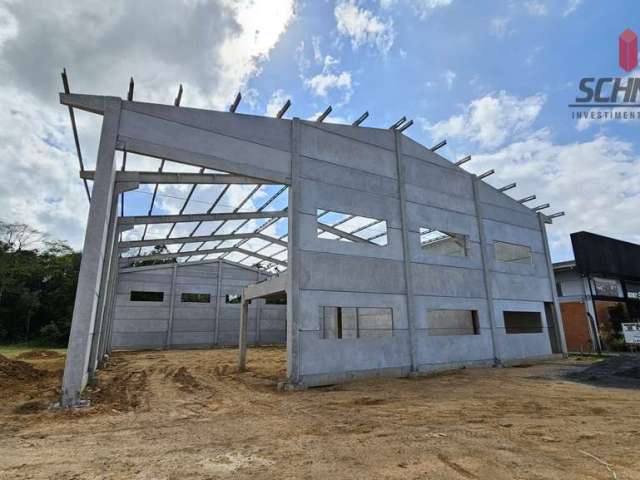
x=52, y=334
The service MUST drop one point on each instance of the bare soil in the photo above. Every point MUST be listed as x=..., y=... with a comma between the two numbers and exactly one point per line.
x=190, y=414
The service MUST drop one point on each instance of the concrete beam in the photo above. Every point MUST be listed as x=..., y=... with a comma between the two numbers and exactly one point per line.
x=181, y=178
x=341, y=233
x=205, y=238
x=88, y=103
x=264, y=289
x=164, y=256
x=198, y=217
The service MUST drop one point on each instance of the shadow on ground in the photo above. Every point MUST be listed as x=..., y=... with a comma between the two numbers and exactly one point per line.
x=617, y=372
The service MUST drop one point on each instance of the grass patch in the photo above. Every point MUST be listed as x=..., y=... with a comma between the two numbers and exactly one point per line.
x=15, y=349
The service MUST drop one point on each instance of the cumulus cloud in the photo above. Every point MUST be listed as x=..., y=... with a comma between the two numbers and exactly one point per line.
x=584, y=179
x=330, y=79
x=363, y=27
x=212, y=48
x=491, y=120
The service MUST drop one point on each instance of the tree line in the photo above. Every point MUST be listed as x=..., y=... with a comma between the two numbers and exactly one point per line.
x=38, y=278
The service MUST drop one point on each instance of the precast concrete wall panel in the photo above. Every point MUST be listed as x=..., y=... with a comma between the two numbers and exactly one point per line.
x=140, y=325
x=353, y=174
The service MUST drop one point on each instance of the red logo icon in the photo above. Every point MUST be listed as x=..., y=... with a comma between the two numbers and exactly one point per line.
x=628, y=50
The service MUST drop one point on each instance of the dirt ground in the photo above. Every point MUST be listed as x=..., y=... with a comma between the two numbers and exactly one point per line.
x=189, y=414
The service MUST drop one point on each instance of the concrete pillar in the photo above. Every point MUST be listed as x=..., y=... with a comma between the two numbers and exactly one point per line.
x=95, y=245
x=104, y=303
x=486, y=271
x=105, y=339
x=258, y=303
x=242, y=338
x=216, y=335
x=172, y=303
x=408, y=274
x=293, y=259
x=110, y=263
x=552, y=283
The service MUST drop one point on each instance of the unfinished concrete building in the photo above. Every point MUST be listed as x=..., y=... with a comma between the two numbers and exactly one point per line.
x=395, y=260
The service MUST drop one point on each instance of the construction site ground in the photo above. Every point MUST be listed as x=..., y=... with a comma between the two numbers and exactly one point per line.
x=190, y=414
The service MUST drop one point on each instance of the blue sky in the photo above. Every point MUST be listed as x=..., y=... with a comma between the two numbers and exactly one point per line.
x=493, y=78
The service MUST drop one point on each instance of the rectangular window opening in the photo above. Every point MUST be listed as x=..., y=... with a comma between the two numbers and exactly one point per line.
x=512, y=253
x=142, y=296
x=437, y=242
x=452, y=322
x=356, y=322
x=233, y=298
x=349, y=228
x=276, y=301
x=195, y=298
x=522, y=322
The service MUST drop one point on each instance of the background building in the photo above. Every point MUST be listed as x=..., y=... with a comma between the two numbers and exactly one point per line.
x=598, y=290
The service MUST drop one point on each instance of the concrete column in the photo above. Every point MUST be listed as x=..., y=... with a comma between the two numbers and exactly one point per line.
x=408, y=273
x=486, y=271
x=216, y=338
x=104, y=300
x=242, y=339
x=258, y=303
x=110, y=263
x=552, y=283
x=172, y=302
x=105, y=339
x=293, y=259
x=218, y=302
x=95, y=243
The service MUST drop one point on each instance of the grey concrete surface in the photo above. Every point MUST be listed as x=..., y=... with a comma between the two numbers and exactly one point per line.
x=173, y=323
x=369, y=172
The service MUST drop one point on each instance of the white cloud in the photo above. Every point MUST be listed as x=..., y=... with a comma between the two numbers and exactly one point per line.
x=321, y=84
x=213, y=50
x=536, y=8
x=572, y=6
x=491, y=120
x=8, y=25
x=363, y=27
x=330, y=78
x=499, y=27
x=449, y=77
x=276, y=102
x=596, y=182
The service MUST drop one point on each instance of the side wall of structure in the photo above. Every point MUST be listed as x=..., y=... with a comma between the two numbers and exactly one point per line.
x=146, y=324
x=356, y=172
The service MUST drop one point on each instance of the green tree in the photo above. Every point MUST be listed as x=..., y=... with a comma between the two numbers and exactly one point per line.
x=38, y=279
